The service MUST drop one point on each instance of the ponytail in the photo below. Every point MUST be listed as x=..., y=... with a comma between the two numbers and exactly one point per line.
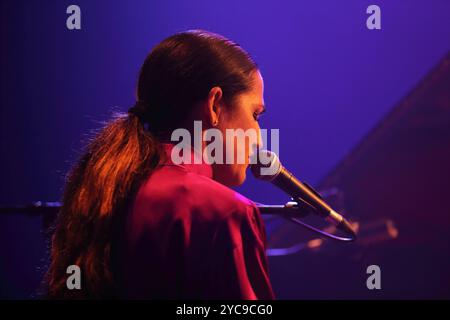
x=97, y=192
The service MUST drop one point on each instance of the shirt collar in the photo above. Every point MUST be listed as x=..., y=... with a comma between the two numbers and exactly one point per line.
x=202, y=168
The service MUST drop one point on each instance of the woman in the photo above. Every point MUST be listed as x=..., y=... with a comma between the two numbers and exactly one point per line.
x=140, y=225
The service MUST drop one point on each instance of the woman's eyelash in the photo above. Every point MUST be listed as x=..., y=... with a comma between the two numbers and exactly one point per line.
x=257, y=115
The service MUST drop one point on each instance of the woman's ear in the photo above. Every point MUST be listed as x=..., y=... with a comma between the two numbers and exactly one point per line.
x=214, y=106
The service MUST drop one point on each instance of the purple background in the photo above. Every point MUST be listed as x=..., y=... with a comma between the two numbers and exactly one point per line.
x=328, y=81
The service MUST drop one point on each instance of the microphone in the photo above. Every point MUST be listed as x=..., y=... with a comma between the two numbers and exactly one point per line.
x=268, y=168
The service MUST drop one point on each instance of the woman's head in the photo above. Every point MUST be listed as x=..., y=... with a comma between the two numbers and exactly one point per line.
x=199, y=75
x=239, y=127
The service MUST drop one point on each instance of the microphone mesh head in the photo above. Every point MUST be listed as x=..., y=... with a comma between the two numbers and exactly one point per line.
x=266, y=165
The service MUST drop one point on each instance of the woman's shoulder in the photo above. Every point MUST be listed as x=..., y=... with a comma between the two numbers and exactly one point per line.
x=179, y=193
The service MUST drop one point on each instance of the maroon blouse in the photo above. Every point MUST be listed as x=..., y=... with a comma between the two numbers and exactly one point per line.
x=187, y=236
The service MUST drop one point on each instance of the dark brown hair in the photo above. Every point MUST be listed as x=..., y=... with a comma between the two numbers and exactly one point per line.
x=177, y=73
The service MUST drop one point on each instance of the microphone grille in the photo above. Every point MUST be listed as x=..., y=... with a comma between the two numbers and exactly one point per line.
x=266, y=165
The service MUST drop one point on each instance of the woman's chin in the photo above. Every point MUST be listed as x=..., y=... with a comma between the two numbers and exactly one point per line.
x=240, y=176
x=240, y=179
x=233, y=178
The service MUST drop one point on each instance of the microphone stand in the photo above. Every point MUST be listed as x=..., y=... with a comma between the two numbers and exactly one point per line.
x=33, y=209
x=293, y=211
